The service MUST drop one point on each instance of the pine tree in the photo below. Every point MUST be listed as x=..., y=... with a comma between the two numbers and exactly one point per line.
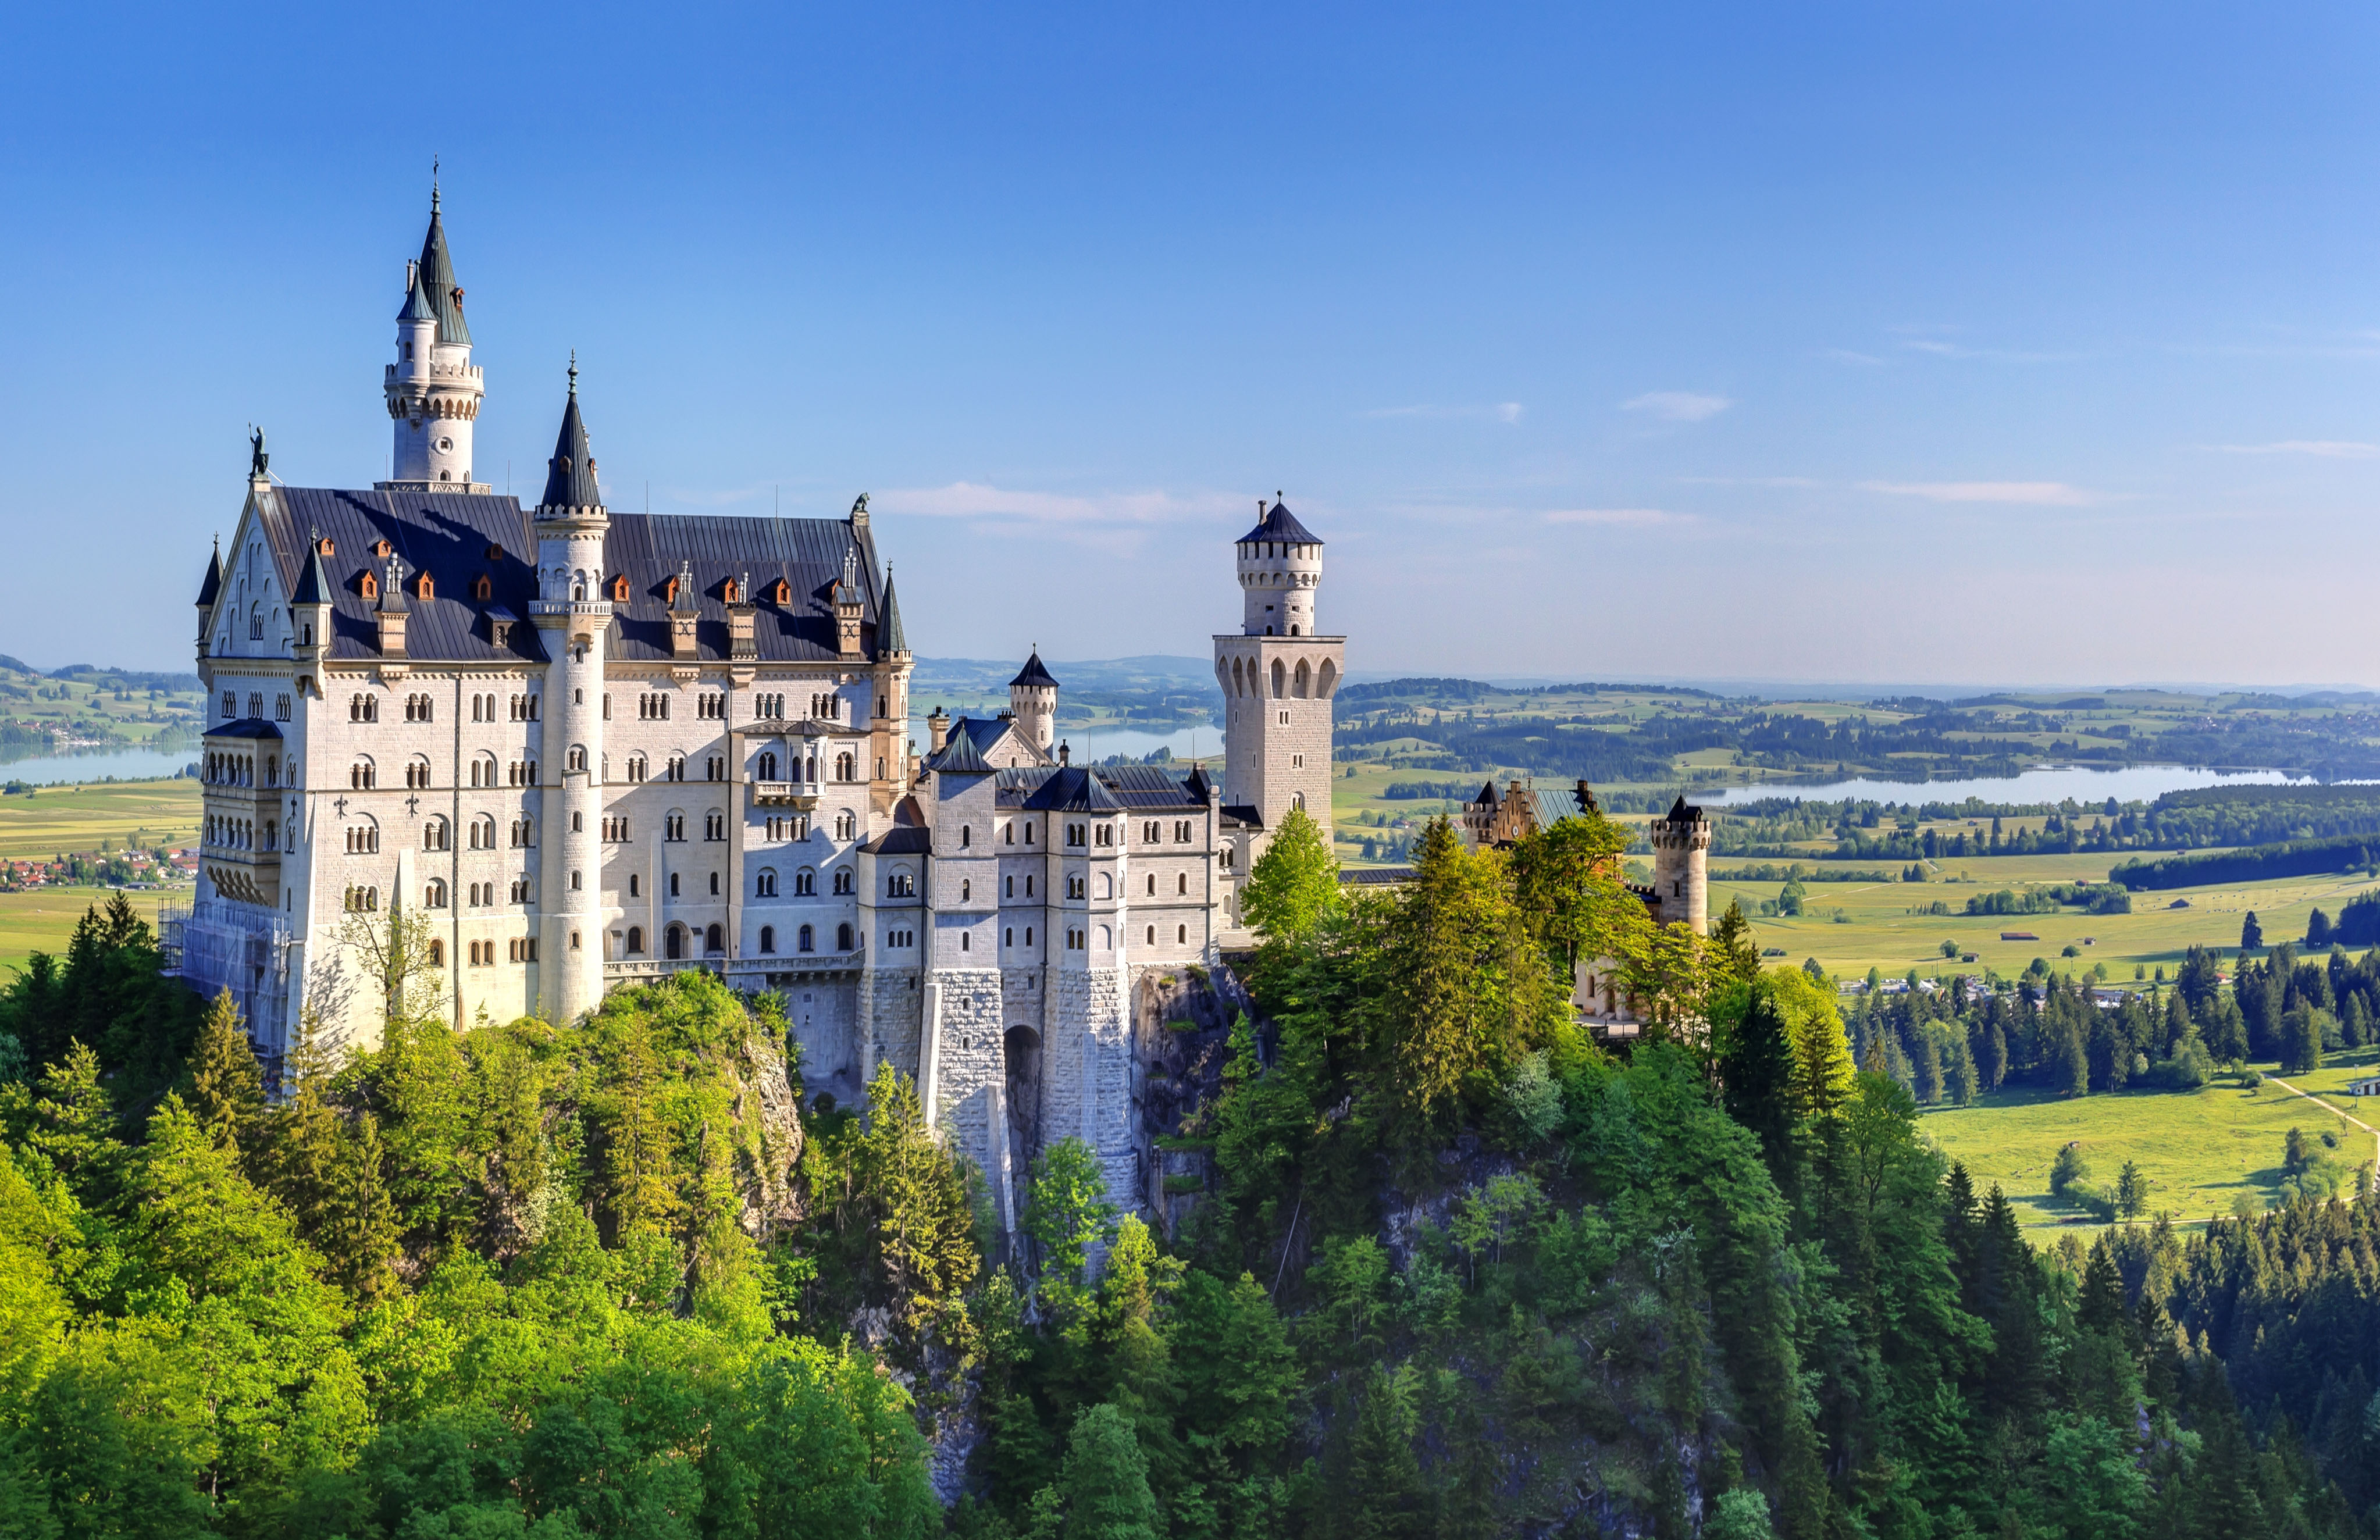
x=917, y=1193
x=226, y=1087
x=2252, y=935
x=640, y=1152
x=1293, y=885
x=1105, y=1482
x=1756, y=1064
x=357, y=1234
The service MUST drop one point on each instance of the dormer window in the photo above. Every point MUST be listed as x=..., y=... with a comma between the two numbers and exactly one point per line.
x=381, y=548
x=326, y=546
x=782, y=593
x=671, y=595
x=620, y=588
x=500, y=632
x=729, y=593
x=495, y=553
x=368, y=586
x=421, y=587
x=481, y=590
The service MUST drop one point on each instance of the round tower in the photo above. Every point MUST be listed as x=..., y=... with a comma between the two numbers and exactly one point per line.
x=572, y=618
x=433, y=389
x=1032, y=702
x=1681, y=866
x=1281, y=571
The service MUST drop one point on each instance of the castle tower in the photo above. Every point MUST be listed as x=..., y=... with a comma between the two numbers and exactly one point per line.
x=1681, y=866
x=1278, y=676
x=572, y=618
x=433, y=389
x=1032, y=702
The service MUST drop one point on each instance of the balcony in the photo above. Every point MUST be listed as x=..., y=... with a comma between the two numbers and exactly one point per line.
x=802, y=795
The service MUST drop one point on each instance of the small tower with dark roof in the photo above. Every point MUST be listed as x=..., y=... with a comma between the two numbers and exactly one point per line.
x=1681, y=840
x=1032, y=702
x=1278, y=676
x=433, y=389
x=574, y=620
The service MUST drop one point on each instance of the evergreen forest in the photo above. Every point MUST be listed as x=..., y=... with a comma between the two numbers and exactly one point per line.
x=1453, y=1268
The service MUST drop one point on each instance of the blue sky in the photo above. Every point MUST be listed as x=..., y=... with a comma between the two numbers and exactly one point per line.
x=2012, y=343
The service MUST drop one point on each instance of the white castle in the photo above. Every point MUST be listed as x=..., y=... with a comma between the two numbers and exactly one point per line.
x=592, y=748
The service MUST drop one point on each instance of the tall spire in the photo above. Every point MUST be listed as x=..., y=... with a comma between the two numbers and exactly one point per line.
x=437, y=274
x=570, y=475
x=889, y=639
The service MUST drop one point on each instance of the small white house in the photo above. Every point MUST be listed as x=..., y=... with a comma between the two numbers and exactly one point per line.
x=2364, y=1086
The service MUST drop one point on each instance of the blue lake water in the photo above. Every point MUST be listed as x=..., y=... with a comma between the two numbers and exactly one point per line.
x=2045, y=784
x=124, y=764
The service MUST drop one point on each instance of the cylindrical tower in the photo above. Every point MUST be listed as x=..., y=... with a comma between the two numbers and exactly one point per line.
x=572, y=618
x=1281, y=572
x=1681, y=866
x=1032, y=702
x=433, y=389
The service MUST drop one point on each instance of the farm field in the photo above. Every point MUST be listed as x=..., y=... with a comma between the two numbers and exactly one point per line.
x=2199, y=1150
x=1878, y=932
x=58, y=819
x=43, y=919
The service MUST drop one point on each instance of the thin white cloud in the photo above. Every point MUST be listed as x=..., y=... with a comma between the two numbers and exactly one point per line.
x=1846, y=355
x=1501, y=411
x=1625, y=517
x=2327, y=449
x=2044, y=494
x=975, y=500
x=1677, y=405
x=1941, y=349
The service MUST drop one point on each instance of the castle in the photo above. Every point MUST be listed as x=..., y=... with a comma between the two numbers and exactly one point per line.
x=589, y=748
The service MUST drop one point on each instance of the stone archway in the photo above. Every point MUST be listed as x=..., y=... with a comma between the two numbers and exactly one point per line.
x=1021, y=1054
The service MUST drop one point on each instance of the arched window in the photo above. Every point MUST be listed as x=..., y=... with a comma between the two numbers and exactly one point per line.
x=1280, y=679
x=966, y=889
x=764, y=885
x=806, y=938
x=575, y=758
x=433, y=896
x=1304, y=677
x=769, y=765
x=366, y=586
x=714, y=939
x=422, y=588
x=967, y=836
x=636, y=939
x=483, y=590
x=437, y=953
x=361, y=776
x=843, y=937
x=483, y=833
x=768, y=939
x=674, y=942
x=1182, y=935
x=1152, y=935
x=842, y=767
x=805, y=883
x=843, y=879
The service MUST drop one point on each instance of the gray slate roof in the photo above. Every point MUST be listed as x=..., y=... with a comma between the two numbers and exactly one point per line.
x=438, y=281
x=1280, y=524
x=889, y=635
x=449, y=535
x=212, y=584
x=1033, y=674
x=570, y=475
x=1120, y=789
x=246, y=727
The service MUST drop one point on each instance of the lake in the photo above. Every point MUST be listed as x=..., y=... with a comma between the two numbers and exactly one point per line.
x=124, y=764
x=2043, y=784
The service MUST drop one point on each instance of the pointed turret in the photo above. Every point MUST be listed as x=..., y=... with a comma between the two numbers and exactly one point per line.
x=437, y=276
x=432, y=387
x=570, y=476
x=213, y=584
x=313, y=584
x=889, y=637
x=1032, y=702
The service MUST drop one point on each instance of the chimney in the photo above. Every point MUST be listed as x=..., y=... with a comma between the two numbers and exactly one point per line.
x=1066, y=755
x=939, y=726
x=1587, y=797
x=740, y=612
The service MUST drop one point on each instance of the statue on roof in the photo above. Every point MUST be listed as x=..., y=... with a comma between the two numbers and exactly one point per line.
x=256, y=458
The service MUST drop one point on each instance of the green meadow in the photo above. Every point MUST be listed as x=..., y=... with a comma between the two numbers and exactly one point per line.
x=2201, y=1150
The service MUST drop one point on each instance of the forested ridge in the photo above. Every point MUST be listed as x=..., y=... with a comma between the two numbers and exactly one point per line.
x=1458, y=1272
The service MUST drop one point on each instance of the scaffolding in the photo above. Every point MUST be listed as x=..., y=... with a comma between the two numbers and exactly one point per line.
x=216, y=944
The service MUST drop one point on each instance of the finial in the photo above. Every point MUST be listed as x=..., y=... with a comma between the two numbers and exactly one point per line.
x=433, y=183
x=574, y=372
x=1276, y=494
